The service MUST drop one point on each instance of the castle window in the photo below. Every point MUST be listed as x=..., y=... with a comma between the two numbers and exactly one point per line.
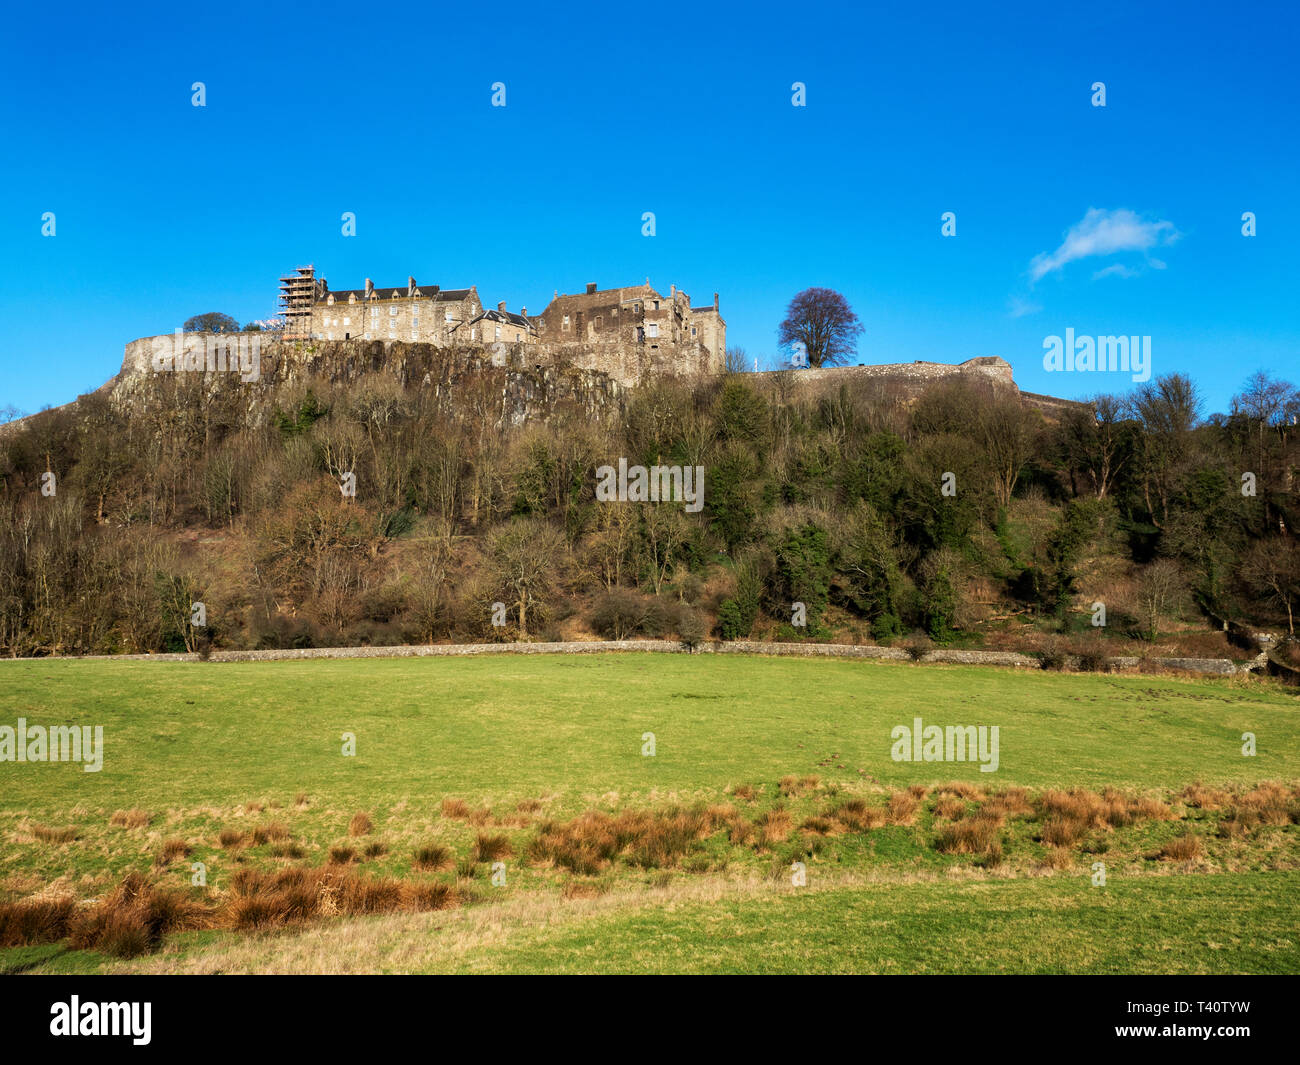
x=656, y=305
x=392, y=312
x=600, y=321
x=347, y=320
x=498, y=336
x=448, y=317
x=566, y=321
x=652, y=329
x=692, y=330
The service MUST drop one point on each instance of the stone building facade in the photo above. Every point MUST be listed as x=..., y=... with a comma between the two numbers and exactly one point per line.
x=630, y=333
x=412, y=313
x=634, y=330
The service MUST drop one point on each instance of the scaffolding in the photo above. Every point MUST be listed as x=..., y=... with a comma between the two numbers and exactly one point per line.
x=297, y=293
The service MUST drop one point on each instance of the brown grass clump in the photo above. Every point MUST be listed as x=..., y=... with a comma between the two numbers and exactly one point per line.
x=1200, y=797
x=432, y=857
x=918, y=791
x=376, y=848
x=579, y=889
x=1270, y=802
x=341, y=855
x=287, y=850
x=300, y=801
x=134, y=818
x=32, y=921
x=172, y=849
x=772, y=826
x=360, y=825
x=961, y=789
x=1058, y=858
x=976, y=835
x=457, y=808
x=821, y=826
x=1063, y=831
x=528, y=806
x=856, y=816
x=268, y=833
x=744, y=792
x=492, y=848
x=132, y=919
x=902, y=808
x=1010, y=802
x=46, y=834
x=1182, y=848
x=230, y=837
x=949, y=808
x=647, y=839
x=254, y=807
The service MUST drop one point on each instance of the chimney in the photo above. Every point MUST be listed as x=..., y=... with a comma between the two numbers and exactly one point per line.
x=591, y=287
x=501, y=306
x=672, y=290
x=370, y=288
x=523, y=312
x=410, y=286
x=715, y=301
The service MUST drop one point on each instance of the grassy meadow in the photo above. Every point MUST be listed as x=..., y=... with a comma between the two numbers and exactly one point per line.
x=616, y=861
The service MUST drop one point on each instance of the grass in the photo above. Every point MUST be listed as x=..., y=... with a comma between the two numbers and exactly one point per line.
x=537, y=762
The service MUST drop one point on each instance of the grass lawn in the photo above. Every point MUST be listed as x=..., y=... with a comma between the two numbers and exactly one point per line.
x=206, y=747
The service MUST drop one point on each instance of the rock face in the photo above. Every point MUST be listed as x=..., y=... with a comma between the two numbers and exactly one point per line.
x=499, y=383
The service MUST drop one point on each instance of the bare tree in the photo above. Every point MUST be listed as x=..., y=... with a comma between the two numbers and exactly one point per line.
x=527, y=556
x=1272, y=571
x=823, y=322
x=1159, y=586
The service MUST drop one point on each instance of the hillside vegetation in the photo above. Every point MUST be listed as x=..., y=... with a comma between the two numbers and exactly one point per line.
x=962, y=516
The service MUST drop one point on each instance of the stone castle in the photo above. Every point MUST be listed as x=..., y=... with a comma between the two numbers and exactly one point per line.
x=628, y=333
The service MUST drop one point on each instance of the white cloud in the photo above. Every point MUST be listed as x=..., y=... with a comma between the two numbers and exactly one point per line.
x=1102, y=233
x=1018, y=307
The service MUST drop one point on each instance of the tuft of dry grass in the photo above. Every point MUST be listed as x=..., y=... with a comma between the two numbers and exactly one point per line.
x=31, y=921
x=528, y=806
x=274, y=831
x=492, y=848
x=902, y=807
x=455, y=808
x=854, y=815
x=772, y=826
x=287, y=850
x=46, y=834
x=360, y=825
x=132, y=919
x=172, y=850
x=1062, y=831
x=341, y=855
x=975, y=835
x=133, y=818
x=432, y=857
x=1182, y=848
x=301, y=801
x=230, y=837
x=744, y=792
x=962, y=789
x=1009, y=802
x=949, y=807
x=376, y=848
x=646, y=839
x=1199, y=797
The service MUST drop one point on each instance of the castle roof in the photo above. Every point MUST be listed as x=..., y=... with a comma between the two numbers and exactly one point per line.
x=428, y=292
x=509, y=317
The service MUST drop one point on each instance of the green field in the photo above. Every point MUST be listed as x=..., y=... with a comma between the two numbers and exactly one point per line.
x=206, y=747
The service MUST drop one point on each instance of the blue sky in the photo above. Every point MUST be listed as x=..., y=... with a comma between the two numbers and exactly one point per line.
x=1117, y=220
